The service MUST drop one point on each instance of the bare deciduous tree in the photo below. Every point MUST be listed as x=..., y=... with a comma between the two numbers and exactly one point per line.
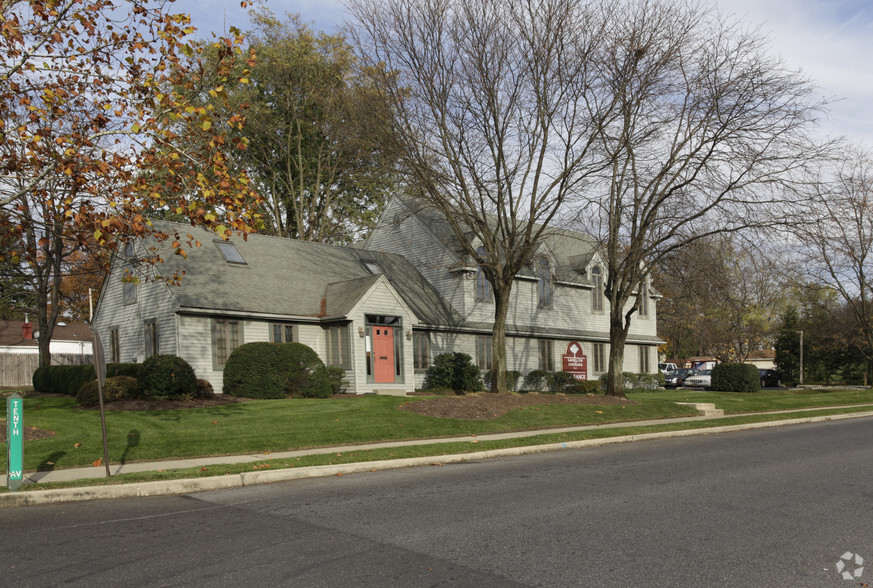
x=708, y=135
x=497, y=115
x=836, y=245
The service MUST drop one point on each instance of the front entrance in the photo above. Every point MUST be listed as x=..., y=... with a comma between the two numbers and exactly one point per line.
x=383, y=354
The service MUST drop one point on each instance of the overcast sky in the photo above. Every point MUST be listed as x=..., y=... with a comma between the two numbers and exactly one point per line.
x=830, y=40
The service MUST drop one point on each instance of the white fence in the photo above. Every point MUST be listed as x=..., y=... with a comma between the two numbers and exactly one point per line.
x=16, y=369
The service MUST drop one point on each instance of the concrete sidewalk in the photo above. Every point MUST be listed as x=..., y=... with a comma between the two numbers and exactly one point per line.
x=265, y=476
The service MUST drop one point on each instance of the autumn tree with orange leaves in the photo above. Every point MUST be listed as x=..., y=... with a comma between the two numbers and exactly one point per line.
x=94, y=97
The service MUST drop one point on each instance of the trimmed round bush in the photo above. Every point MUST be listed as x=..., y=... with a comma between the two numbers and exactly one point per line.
x=324, y=382
x=736, y=377
x=257, y=370
x=455, y=371
x=116, y=388
x=303, y=362
x=167, y=377
x=270, y=370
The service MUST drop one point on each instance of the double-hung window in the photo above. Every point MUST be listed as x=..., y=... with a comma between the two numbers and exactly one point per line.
x=226, y=336
x=483, y=352
x=338, y=346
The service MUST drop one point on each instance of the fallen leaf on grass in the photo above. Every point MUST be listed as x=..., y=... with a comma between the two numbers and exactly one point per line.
x=97, y=462
x=599, y=411
x=77, y=445
x=203, y=470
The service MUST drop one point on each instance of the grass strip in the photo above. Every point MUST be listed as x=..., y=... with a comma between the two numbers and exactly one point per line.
x=432, y=450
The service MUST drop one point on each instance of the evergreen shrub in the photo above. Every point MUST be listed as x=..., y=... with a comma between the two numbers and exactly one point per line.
x=257, y=370
x=301, y=364
x=167, y=377
x=116, y=388
x=270, y=370
x=736, y=377
x=538, y=381
x=512, y=378
x=323, y=382
x=62, y=379
x=454, y=371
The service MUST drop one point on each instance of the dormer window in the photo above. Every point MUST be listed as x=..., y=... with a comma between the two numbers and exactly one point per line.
x=544, y=283
x=483, y=286
x=229, y=252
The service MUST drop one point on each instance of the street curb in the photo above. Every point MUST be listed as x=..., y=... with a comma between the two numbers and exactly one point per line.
x=171, y=487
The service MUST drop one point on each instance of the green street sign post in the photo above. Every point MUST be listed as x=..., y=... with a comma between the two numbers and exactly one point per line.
x=15, y=438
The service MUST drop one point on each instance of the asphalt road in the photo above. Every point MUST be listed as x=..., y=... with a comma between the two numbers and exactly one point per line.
x=775, y=507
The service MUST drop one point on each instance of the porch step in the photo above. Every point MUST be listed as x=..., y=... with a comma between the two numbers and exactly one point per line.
x=706, y=408
x=391, y=392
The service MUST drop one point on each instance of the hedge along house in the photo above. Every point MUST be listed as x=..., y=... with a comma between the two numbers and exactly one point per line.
x=382, y=311
x=558, y=318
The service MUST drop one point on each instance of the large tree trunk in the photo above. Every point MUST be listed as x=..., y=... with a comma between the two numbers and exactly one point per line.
x=618, y=330
x=498, y=337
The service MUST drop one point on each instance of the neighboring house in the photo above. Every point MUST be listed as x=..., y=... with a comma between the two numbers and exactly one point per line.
x=763, y=359
x=20, y=337
x=19, y=353
x=382, y=311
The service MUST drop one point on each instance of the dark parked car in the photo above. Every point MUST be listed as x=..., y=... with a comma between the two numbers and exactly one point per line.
x=674, y=378
x=769, y=378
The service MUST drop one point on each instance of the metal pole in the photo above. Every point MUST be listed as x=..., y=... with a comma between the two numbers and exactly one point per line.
x=801, y=357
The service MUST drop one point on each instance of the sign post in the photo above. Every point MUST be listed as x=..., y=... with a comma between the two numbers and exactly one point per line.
x=15, y=442
x=100, y=369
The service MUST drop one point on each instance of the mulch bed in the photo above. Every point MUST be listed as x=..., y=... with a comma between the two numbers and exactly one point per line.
x=487, y=406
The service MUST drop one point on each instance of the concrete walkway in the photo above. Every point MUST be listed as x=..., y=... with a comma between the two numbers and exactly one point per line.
x=265, y=476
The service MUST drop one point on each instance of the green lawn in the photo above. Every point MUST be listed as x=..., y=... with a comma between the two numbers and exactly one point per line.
x=766, y=400
x=280, y=425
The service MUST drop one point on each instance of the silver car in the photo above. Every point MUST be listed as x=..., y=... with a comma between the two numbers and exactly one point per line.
x=702, y=379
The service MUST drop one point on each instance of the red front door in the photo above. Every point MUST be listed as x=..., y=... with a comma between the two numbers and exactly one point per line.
x=383, y=353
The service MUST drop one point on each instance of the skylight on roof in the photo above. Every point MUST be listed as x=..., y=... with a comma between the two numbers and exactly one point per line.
x=372, y=266
x=229, y=252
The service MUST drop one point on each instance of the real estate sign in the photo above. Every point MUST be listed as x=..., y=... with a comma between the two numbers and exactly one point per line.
x=575, y=362
x=15, y=437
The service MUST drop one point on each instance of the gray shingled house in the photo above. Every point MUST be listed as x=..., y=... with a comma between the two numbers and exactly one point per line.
x=382, y=311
